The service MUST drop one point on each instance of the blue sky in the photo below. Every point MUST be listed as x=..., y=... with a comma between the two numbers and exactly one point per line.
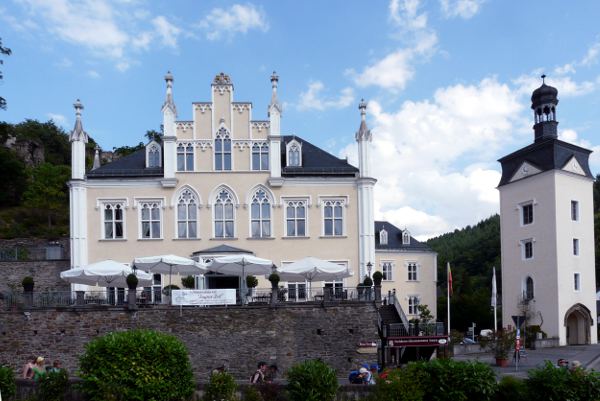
x=448, y=81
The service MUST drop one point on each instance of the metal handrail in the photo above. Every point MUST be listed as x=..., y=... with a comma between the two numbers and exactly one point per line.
x=399, y=309
x=415, y=329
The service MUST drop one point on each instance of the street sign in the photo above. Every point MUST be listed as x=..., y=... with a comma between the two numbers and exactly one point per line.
x=519, y=320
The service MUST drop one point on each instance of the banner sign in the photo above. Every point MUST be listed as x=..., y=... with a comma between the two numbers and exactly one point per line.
x=204, y=297
x=417, y=342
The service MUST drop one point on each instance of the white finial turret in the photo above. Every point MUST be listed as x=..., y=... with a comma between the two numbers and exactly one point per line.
x=363, y=132
x=169, y=103
x=274, y=100
x=275, y=133
x=96, y=158
x=78, y=140
x=78, y=134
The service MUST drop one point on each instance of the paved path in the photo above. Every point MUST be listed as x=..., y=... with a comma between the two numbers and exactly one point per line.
x=588, y=355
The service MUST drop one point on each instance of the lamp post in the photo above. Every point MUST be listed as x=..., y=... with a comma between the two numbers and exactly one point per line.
x=369, y=267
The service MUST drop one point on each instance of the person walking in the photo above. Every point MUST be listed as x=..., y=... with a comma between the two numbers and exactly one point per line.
x=259, y=376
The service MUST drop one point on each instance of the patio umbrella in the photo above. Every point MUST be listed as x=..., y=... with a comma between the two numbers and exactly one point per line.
x=169, y=264
x=312, y=269
x=106, y=273
x=241, y=265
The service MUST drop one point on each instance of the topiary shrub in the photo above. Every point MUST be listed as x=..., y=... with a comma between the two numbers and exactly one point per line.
x=251, y=281
x=220, y=387
x=511, y=388
x=445, y=379
x=377, y=277
x=274, y=279
x=367, y=282
x=397, y=385
x=53, y=386
x=188, y=282
x=312, y=380
x=136, y=365
x=132, y=281
x=168, y=288
x=550, y=383
x=8, y=388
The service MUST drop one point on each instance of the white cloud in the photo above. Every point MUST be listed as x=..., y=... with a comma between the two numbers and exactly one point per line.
x=460, y=8
x=591, y=57
x=166, y=31
x=443, y=151
x=405, y=14
x=571, y=136
x=565, y=84
x=59, y=119
x=313, y=98
x=93, y=74
x=221, y=23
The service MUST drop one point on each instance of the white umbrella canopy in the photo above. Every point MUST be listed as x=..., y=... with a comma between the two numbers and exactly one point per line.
x=169, y=264
x=106, y=273
x=312, y=269
x=241, y=265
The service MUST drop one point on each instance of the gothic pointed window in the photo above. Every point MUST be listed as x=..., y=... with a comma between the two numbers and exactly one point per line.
x=187, y=215
x=295, y=218
x=260, y=156
x=333, y=218
x=260, y=214
x=383, y=237
x=150, y=219
x=113, y=219
x=224, y=218
x=529, y=289
x=153, y=156
x=223, y=151
x=405, y=237
x=294, y=154
x=185, y=157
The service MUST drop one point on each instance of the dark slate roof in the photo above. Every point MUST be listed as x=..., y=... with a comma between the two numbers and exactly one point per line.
x=395, y=239
x=133, y=165
x=550, y=154
x=220, y=249
x=315, y=161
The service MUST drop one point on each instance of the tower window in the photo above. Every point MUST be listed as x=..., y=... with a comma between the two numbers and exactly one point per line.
x=576, y=246
x=527, y=249
x=576, y=282
x=528, y=289
x=223, y=151
x=574, y=210
x=527, y=214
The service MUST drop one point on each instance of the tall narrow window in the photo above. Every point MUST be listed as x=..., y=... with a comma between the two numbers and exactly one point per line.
x=154, y=155
x=383, y=237
x=413, y=305
x=294, y=155
x=333, y=219
x=527, y=249
x=574, y=210
x=295, y=218
x=113, y=221
x=529, y=289
x=386, y=268
x=185, y=157
x=405, y=237
x=260, y=156
x=150, y=218
x=527, y=214
x=224, y=217
x=223, y=150
x=260, y=215
x=412, y=271
x=575, y=246
x=576, y=282
x=187, y=215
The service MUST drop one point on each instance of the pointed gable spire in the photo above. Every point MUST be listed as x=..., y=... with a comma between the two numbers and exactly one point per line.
x=96, y=158
x=78, y=134
x=363, y=133
x=274, y=99
x=169, y=104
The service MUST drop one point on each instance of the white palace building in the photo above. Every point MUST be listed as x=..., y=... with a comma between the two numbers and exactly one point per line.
x=223, y=183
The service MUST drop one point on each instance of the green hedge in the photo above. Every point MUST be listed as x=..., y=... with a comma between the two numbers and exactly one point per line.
x=550, y=383
x=312, y=380
x=220, y=387
x=8, y=388
x=137, y=365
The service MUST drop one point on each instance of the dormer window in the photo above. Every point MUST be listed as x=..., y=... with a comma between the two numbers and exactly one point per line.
x=405, y=237
x=383, y=237
x=153, y=155
x=294, y=154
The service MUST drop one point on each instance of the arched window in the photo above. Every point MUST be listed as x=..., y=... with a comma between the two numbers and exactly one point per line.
x=153, y=155
x=113, y=221
x=333, y=218
x=223, y=151
x=150, y=219
x=224, y=217
x=260, y=156
x=185, y=157
x=187, y=215
x=260, y=215
x=295, y=217
x=383, y=237
x=405, y=237
x=294, y=155
x=529, y=289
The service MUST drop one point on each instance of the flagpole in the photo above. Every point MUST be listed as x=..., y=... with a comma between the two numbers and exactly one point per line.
x=448, y=294
x=495, y=300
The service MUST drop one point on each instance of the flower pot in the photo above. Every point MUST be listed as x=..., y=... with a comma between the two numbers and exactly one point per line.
x=502, y=362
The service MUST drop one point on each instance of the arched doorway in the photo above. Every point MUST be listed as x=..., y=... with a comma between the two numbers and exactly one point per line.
x=578, y=321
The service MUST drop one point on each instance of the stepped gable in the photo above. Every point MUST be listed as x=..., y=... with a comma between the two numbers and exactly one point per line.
x=315, y=161
x=395, y=239
x=133, y=165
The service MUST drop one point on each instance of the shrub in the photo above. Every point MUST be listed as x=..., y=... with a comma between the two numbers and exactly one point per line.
x=251, y=281
x=312, y=380
x=252, y=394
x=398, y=385
x=221, y=387
x=550, y=383
x=168, y=288
x=511, y=389
x=445, y=380
x=28, y=280
x=8, y=388
x=53, y=386
x=274, y=279
x=132, y=281
x=188, y=282
x=367, y=282
x=136, y=365
x=377, y=277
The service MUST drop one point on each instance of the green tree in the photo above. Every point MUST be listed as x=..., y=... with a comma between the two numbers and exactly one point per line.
x=3, y=51
x=57, y=149
x=14, y=179
x=47, y=190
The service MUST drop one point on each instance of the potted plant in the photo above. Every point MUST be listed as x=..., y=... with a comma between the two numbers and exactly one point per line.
x=367, y=282
x=251, y=282
x=274, y=279
x=501, y=344
x=132, y=281
x=377, y=278
x=188, y=282
x=27, y=284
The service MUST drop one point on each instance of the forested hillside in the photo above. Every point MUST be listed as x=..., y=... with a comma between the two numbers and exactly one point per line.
x=472, y=252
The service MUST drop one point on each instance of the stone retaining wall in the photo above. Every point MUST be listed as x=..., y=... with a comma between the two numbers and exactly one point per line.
x=237, y=337
x=46, y=275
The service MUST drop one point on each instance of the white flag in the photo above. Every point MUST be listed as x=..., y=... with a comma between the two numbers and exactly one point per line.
x=494, y=292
